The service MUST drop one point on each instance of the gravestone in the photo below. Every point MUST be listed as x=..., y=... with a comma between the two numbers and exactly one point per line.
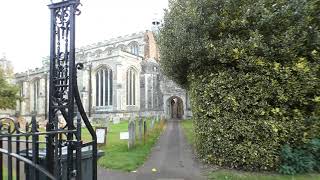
x=105, y=122
x=145, y=128
x=140, y=124
x=116, y=120
x=132, y=132
x=152, y=123
x=102, y=122
x=22, y=122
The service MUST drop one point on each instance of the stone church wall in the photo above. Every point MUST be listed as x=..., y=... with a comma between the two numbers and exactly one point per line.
x=137, y=51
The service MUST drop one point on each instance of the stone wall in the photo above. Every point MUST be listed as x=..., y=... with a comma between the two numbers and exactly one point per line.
x=152, y=89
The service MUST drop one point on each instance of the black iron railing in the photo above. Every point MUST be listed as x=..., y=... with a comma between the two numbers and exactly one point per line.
x=54, y=152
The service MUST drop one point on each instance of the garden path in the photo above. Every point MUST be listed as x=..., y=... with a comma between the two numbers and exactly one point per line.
x=171, y=158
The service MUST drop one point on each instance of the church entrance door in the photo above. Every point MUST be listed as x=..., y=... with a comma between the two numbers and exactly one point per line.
x=176, y=107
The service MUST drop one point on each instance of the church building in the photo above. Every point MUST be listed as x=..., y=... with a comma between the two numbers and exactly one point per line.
x=121, y=78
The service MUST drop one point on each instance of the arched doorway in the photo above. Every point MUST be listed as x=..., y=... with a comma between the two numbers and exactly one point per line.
x=175, y=107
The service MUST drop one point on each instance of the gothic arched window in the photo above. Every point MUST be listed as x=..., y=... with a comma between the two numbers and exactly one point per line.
x=134, y=48
x=131, y=87
x=104, y=87
x=21, y=89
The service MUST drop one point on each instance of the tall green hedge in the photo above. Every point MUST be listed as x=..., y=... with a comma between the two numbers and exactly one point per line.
x=242, y=120
x=252, y=68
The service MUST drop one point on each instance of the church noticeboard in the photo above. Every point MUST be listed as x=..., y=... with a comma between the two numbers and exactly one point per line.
x=101, y=133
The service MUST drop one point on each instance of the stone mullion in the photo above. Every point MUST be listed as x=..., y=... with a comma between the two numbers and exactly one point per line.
x=98, y=90
x=103, y=72
x=130, y=87
x=134, y=88
x=127, y=88
x=101, y=88
x=109, y=87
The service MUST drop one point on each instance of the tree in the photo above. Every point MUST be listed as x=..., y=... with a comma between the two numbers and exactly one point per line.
x=252, y=68
x=8, y=93
x=205, y=35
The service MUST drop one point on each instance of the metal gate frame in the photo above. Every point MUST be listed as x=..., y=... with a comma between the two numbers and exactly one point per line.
x=64, y=96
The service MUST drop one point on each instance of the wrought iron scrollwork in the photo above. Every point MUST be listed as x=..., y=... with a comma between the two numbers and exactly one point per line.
x=63, y=55
x=8, y=126
x=63, y=93
x=63, y=96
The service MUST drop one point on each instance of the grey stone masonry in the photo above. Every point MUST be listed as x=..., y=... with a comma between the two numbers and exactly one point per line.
x=121, y=79
x=140, y=124
x=132, y=134
x=152, y=123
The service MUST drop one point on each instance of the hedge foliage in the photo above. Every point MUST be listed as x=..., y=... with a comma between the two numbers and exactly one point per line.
x=252, y=68
x=301, y=159
x=242, y=120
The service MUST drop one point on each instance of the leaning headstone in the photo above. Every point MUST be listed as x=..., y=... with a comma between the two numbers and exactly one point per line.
x=131, y=129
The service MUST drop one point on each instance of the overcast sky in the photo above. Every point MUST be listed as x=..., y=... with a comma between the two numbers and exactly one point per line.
x=24, y=29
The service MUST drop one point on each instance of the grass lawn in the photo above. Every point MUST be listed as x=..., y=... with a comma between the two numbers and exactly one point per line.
x=117, y=156
x=188, y=128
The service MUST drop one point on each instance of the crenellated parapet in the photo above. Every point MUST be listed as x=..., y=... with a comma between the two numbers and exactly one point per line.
x=133, y=44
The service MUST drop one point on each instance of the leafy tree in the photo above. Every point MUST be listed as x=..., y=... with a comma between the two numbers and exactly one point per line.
x=206, y=35
x=252, y=68
x=8, y=93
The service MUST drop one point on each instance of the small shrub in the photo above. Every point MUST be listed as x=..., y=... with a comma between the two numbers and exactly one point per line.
x=315, y=149
x=296, y=161
x=302, y=159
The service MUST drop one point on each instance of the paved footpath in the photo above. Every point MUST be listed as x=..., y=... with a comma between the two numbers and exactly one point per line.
x=171, y=157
